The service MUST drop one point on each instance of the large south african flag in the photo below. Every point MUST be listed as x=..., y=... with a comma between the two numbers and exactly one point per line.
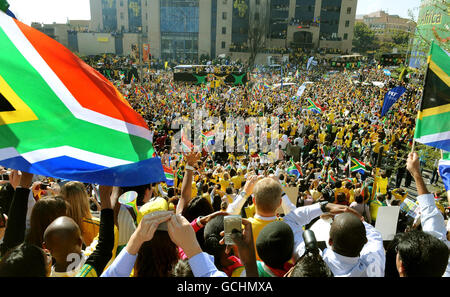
x=433, y=119
x=61, y=118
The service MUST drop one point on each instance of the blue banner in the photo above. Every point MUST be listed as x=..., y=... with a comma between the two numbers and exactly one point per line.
x=390, y=98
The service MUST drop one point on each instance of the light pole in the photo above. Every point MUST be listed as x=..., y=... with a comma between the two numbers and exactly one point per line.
x=140, y=54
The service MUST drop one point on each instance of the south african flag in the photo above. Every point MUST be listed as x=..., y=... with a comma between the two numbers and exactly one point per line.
x=433, y=119
x=61, y=118
x=357, y=165
x=168, y=172
x=313, y=106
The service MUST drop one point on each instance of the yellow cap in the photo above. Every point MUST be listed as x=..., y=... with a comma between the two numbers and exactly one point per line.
x=158, y=204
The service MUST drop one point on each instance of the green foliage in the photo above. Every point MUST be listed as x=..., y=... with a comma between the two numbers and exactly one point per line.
x=431, y=154
x=364, y=39
x=401, y=38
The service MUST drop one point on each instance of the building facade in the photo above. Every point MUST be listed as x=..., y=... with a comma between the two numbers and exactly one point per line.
x=385, y=25
x=190, y=29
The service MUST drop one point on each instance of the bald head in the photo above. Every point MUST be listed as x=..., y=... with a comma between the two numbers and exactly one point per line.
x=347, y=235
x=267, y=194
x=63, y=236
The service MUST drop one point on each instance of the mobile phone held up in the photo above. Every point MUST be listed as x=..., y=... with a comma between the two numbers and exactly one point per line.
x=230, y=223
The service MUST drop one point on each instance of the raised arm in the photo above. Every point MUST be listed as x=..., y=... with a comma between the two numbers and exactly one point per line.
x=186, y=187
x=103, y=249
x=15, y=229
x=431, y=219
x=236, y=206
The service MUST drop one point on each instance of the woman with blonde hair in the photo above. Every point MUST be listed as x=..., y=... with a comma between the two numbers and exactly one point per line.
x=75, y=194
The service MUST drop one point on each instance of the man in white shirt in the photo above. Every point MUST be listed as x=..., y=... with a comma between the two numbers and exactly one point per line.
x=355, y=248
x=426, y=252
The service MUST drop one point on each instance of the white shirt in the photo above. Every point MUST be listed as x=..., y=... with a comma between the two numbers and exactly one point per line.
x=433, y=222
x=370, y=263
x=202, y=265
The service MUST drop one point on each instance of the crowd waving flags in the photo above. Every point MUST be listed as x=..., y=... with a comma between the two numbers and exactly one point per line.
x=161, y=168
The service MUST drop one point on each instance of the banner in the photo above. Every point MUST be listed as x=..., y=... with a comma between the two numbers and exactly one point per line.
x=390, y=98
x=145, y=52
x=300, y=90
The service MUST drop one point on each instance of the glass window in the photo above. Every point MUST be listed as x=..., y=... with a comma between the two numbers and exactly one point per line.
x=224, y=15
x=345, y=36
x=223, y=44
x=224, y=30
x=347, y=23
x=349, y=10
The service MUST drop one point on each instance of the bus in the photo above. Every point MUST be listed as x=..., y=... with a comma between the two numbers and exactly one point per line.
x=196, y=74
x=347, y=61
x=392, y=59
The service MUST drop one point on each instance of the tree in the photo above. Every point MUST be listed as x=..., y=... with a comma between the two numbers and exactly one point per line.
x=364, y=39
x=401, y=38
x=257, y=31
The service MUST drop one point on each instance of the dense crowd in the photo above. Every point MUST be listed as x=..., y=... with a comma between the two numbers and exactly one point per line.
x=67, y=228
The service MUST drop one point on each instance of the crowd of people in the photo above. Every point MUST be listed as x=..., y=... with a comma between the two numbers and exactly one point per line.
x=67, y=228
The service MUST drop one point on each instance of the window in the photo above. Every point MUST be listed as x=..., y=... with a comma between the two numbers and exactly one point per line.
x=347, y=23
x=121, y=15
x=345, y=36
x=121, y=3
x=256, y=16
x=349, y=10
x=224, y=30
x=257, y=2
x=223, y=44
x=224, y=15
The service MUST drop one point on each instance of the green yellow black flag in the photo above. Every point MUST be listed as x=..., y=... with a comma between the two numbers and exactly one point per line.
x=433, y=119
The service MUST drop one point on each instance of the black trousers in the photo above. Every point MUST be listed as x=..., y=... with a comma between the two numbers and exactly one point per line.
x=434, y=177
x=403, y=172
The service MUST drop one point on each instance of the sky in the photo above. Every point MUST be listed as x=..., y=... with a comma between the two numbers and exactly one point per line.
x=49, y=11
x=394, y=7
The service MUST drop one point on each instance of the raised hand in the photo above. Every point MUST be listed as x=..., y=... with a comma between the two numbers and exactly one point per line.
x=182, y=234
x=192, y=158
x=146, y=230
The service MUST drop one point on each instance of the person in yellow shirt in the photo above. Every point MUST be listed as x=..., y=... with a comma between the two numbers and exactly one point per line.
x=238, y=179
x=225, y=181
x=381, y=183
x=322, y=136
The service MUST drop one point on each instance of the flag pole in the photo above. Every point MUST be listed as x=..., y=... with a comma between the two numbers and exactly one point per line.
x=423, y=91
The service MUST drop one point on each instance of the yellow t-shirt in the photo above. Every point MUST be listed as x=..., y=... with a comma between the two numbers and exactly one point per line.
x=89, y=229
x=257, y=226
x=224, y=184
x=382, y=184
x=237, y=180
x=194, y=190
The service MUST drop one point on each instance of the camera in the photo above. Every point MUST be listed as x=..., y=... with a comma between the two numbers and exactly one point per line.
x=44, y=186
